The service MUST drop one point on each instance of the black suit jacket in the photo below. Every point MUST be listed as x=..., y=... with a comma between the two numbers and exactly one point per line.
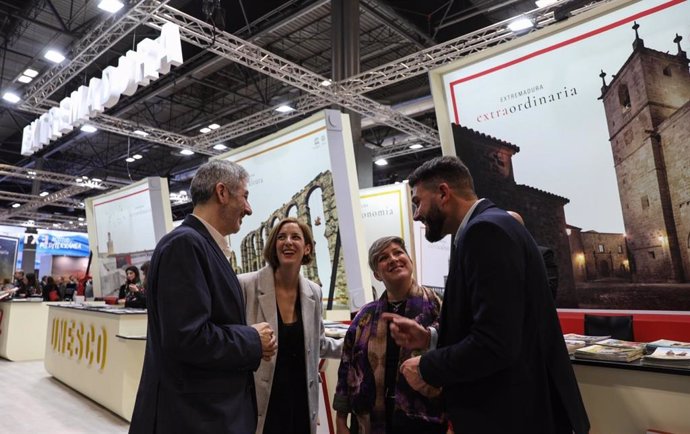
x=200, y=354
x=501, y=358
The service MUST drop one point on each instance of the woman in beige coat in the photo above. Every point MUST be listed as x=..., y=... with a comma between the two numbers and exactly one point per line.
x=287, y=386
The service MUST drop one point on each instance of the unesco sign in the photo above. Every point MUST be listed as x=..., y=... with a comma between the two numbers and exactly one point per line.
x=136, y=68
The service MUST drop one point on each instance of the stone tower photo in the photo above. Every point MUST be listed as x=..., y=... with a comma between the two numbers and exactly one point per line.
x=647, y=106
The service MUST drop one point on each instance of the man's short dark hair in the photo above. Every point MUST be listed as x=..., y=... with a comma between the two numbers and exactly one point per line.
x=448, y=169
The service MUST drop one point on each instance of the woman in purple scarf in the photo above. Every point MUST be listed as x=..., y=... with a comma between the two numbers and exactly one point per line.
x=370, y=386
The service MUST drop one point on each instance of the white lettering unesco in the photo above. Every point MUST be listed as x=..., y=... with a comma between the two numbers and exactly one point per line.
x=140, y=67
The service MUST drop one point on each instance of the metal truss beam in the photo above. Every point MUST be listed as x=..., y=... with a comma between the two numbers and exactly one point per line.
x=41, y=220
x=245, y=53
x=55, y=178
x=425, y=60
x=94, y=44
x=23, y=198
x=43, y=201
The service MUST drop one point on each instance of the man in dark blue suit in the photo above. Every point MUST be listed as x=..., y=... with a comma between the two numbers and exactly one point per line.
x=500, y=358
x=200, y=354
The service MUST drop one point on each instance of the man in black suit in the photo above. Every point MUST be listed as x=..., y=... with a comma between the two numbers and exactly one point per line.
x=200, y=354
x=500, y=359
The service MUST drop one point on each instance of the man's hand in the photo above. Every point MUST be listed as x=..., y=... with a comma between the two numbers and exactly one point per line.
x=410, y=370
x=407, y=333
x=269, y=345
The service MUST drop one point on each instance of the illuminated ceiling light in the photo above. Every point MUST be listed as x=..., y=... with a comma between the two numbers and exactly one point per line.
x=81, y=219
x=326, y=83
x=11, y=97
x=520, y=24
x=205, y=130
x=89, y=128
x=129, y=160
x=220, y=147
x=16, y=205
x=96, y=180
x=30, y=72
x=84, y=177
x=141, y=133
x=24, y=79
x=79, y=180
x=416, y=146
x=183, y=193
x=137, y=156
x=284, y=109
x=54, y=56
x=214, y=126
x=44, y=194
x=187, y=152
x=381, y=162
x=544, y=3
x=111, y=6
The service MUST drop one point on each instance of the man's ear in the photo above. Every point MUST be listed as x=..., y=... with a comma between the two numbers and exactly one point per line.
x=444, y=191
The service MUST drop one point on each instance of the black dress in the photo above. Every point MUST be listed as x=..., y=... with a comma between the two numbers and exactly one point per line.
x=288, y=406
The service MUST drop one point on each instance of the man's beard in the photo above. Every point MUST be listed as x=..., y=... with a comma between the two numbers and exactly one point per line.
x=434, y=224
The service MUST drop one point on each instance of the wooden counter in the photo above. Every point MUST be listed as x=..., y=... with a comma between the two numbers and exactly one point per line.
x=23, y=329
x=98, y=351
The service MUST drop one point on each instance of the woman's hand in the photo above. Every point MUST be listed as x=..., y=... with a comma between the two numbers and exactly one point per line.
x=133, y=288
x=341, y=423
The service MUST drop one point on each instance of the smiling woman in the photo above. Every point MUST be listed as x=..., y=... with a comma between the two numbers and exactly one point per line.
x=286, y=386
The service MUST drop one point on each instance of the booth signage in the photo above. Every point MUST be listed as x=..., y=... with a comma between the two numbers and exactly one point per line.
x=77, y=341
x=140, y=67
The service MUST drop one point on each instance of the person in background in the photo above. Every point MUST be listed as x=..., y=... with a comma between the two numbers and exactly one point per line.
x=62, y=288
x=287, y=386
x=50, y=290
x=71, y=287
x=369, y=384
x=18, y=278
x=549, y=260
x=500, y=359
x=200, y=352
x=132, y=291
x=145, y=271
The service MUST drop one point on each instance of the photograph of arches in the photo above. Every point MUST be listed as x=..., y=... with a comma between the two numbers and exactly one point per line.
x=589, y=139
x=291, y=174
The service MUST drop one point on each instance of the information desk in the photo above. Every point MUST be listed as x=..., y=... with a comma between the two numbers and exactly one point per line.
x=23, y=329
x=98, y=351
x=632, y=397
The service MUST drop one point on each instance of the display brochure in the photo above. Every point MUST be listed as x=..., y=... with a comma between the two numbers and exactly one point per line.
x=335, y=329
x=573, y=345
x=602, y=352
x=672, y=357
x=587, y=339
x=652, y=346
x=622, y=344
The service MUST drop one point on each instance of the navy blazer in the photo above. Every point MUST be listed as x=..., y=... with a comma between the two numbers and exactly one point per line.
x=501, y=358
x=200, y=354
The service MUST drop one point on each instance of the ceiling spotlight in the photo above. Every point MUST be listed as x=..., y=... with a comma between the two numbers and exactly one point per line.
x=284, y=109
x=111, y=6
x=220, y=147
x=141, y=133
x=16, y=205
x=214, y=126
x=81, y=219
x=520, y=24
x=187, y=152
x=381, y=162
x=96, y=180
x=11, y=97
x=54, y=56
x=30, y=72
x=79, y=180
x=137, y=156
x=544, y=3
x=205, y=130
x=24, y=79
x=88, y=128
x=416, y=146
x=326, y=83
x=129, y=160
x=44, y=194
x=84, y=177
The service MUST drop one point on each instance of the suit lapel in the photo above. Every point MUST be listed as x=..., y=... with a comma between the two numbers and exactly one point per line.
x=308, y=307
x=267, y=297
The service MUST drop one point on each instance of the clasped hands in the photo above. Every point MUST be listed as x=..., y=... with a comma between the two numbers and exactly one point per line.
x=409, y=334
x=269, y=344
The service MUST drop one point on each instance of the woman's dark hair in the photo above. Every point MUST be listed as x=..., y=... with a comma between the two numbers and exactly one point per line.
x=270, y=253
x=31, y=278
x=135, y=270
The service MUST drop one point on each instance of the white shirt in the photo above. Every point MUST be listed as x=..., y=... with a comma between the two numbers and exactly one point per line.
x=217, y=237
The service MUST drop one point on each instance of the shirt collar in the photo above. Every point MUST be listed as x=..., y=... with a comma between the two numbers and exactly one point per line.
x=465, y=220
x=217, y=237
